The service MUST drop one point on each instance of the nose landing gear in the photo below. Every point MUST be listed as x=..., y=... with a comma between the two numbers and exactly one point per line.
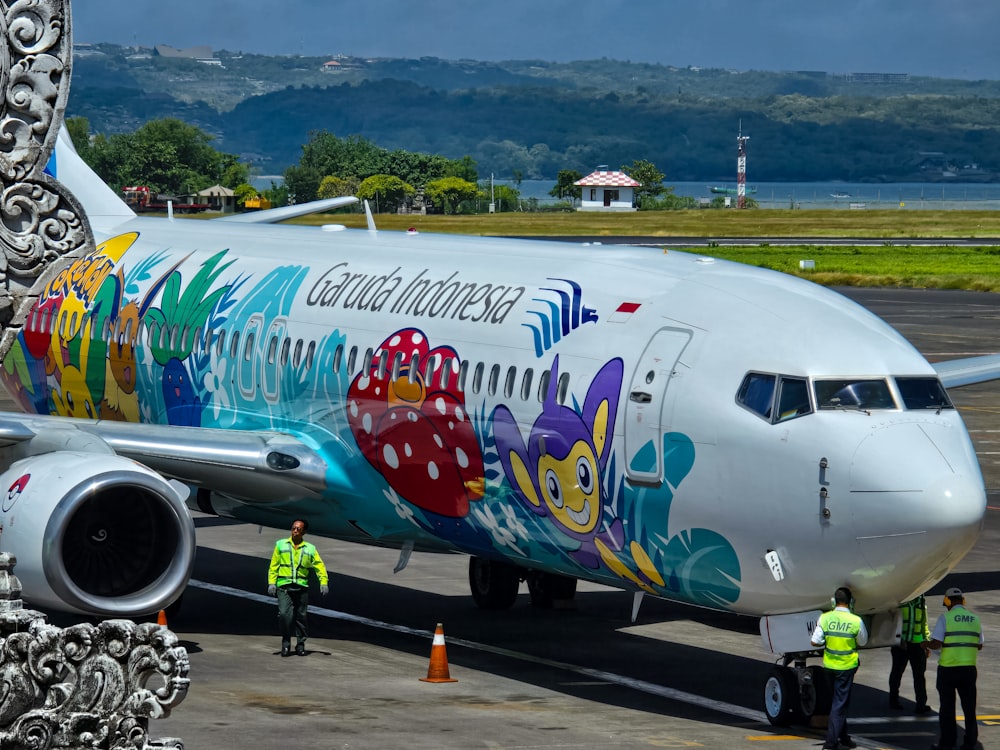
x=795, y=694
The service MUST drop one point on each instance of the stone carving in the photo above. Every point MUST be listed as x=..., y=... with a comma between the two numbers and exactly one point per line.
x=40, y=220
x=85, y=686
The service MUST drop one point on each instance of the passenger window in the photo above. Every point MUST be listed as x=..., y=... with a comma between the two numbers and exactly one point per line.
x=352, y=359
x=508, y=386
x=463, y=372
x=853, y=394
x=383, y=364
x=448, y=369
x=526, y=384
x=477, y=378
x=272, y=350
x=756, y=393
x=429, y=369
x=397, y=366
x=310, y=352
x=220, y=343
x=297, y=354
x=338, y=356
x=563, y=388
x=286, y=345
x=248, y=346
x=234, y=344
x=411, y=373
x=543, y=385
x=491, y=387
x=793, y=399
x=923, y=393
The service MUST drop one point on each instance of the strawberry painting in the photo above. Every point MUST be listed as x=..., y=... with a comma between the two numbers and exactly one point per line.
x=408, y=417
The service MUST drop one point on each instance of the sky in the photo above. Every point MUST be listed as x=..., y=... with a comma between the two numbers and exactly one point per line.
x=941, y=38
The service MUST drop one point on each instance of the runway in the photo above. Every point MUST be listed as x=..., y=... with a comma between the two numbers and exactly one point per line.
x=528, y=678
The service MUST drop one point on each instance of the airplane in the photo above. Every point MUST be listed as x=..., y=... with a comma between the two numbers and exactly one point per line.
x=668, y=424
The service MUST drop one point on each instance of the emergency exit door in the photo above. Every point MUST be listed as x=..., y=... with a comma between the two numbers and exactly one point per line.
x=646, y=415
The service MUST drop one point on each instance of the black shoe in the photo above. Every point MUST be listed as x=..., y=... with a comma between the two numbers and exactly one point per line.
x=286, y=650
x=300, y=649
x=923, y=709
x=895, y=704
x=829, y=747
x=848, y=742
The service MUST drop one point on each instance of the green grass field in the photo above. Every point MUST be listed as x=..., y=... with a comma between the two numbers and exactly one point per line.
x=946, y=267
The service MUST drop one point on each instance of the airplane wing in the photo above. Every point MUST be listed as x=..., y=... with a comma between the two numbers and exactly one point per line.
x=272, y=215
x=262, y=467
x=958, y=372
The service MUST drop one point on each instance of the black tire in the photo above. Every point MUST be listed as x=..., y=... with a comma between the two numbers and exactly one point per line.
x=816, y=696
x=781, y=697
x=546, y=588
x=494, y=584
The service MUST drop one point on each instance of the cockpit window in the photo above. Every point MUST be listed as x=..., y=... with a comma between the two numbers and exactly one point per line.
x=757, y=393
x=793, y=398
x=923, y=393
x=854, y=394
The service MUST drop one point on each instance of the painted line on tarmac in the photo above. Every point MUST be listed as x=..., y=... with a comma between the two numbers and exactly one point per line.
x=594, y=674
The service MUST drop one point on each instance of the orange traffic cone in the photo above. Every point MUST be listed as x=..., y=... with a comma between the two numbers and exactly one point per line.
x=161, y=619
x=437, y=671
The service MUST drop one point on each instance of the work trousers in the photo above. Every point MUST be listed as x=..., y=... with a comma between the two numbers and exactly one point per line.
x=963, y=681
x=841, y=682
x=914, y=655
x=293, y=605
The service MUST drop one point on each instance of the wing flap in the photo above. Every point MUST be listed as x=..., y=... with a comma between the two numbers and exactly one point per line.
x=257, y=467
x=955, y=373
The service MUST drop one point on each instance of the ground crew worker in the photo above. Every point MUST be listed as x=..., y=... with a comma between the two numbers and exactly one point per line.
x=288, y=579
x=912, y=649
x=959, y=635
x=839, y=632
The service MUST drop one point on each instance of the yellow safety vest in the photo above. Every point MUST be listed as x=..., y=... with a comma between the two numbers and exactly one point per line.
x=291, y=565
x=960, y=646
x=840, y=631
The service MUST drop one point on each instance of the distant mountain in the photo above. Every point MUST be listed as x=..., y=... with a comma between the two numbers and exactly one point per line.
x=535, y=118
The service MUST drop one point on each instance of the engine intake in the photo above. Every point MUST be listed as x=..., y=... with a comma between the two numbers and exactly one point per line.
x=96, y=534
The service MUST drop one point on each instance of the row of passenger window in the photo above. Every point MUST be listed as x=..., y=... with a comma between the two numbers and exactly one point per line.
x=777, y=398
x=281, y=350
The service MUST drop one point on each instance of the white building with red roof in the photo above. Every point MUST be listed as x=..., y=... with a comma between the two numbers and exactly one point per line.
x=605, y=190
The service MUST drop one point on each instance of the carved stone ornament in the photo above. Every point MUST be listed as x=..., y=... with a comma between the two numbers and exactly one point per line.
x=40, y=220
x=85, y=686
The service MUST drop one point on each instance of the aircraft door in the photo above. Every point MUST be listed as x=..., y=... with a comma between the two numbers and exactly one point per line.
x=645, y=419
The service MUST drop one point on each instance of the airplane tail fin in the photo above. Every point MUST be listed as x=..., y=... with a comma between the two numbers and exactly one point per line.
x=103, y=207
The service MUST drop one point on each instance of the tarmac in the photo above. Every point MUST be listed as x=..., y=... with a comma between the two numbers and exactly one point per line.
x=529, y=678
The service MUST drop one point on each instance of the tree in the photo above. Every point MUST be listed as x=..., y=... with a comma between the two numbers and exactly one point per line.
x=650, y=179
x=334, y=187
x=449, y=192
x=244, y=192
x=387, y=192
x=168, y=156
x=564, y=187
x=464, y=168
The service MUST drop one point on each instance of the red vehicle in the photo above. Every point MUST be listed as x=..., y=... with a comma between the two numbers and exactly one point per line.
x=140, y=198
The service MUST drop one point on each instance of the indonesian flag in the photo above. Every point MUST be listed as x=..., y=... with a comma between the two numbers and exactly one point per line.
x=624, y=312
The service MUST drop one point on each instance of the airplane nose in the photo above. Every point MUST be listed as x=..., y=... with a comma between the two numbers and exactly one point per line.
x=917, y=502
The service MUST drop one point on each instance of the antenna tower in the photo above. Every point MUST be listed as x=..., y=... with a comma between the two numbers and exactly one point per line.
x=741, y=168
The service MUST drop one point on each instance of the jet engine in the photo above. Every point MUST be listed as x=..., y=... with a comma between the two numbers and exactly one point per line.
x=95, y=533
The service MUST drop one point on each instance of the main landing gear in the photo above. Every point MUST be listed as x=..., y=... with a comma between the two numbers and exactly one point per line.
x=495, y=584
x=794, y=694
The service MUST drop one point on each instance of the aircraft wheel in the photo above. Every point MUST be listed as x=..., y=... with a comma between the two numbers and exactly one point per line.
x=546, y=588
x=781, y=697
x=815, y=696
x=494, y=584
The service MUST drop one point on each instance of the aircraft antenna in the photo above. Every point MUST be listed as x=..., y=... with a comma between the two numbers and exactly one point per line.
x=369, y=217
x=741, y=168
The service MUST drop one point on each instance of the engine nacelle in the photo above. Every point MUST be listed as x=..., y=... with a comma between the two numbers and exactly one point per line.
x=95, y=533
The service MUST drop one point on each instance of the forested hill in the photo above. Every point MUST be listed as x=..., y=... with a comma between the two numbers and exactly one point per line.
x=533, y=118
